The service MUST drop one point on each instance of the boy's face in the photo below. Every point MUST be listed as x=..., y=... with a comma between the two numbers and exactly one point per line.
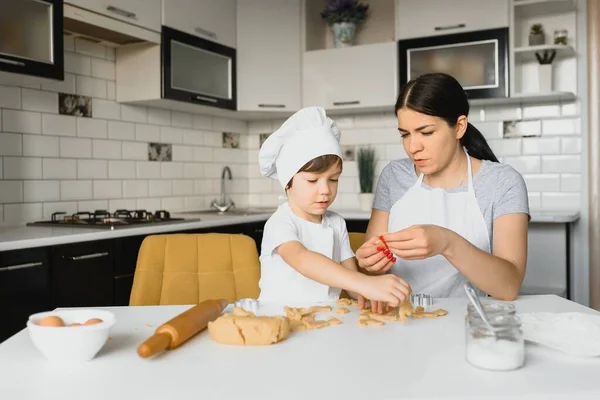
x=311, y=193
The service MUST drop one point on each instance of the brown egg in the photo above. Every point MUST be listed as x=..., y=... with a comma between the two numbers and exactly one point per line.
x=52, y=320
x=93, y=321
x=74, y=324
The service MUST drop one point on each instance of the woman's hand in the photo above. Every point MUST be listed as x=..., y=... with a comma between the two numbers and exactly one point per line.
x=419, y=241
x=375, y=258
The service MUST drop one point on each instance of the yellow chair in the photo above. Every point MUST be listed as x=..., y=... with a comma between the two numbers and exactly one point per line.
x=190, y=268
x=356, y=240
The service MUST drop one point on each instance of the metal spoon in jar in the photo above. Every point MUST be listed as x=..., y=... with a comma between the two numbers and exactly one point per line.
x=479, y=308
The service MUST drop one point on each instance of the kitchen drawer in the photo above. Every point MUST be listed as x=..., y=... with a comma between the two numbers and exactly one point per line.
x=422, y=18
x=144, y=13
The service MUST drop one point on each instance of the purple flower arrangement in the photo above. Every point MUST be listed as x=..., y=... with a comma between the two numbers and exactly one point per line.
x=345, y=11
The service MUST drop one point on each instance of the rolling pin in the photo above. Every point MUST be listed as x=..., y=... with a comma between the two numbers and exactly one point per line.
x=179, y=329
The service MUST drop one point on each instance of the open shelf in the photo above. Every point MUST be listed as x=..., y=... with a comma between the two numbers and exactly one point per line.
x=528, y=8
x=527, y=53
x=526, y=99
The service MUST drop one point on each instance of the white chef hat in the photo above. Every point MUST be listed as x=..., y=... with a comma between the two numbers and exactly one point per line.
x=307, y=134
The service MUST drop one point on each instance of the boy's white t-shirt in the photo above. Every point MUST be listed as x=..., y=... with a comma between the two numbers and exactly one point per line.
x=280, y=282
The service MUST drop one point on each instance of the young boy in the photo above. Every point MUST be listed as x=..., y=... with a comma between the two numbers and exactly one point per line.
x=306, y=254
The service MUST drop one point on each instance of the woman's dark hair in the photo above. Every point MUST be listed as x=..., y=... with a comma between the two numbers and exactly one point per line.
x=318, y=165
x=440, y=95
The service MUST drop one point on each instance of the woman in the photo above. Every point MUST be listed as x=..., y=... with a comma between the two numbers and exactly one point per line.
x=453, y=212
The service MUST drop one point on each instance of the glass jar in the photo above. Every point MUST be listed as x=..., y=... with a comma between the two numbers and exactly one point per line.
x=491, y=309
x=503, y=352
x=561, y=36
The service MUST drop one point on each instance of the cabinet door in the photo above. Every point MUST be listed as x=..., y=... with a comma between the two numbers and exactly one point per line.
x=24, y=288
x=354, y=77
x=144, y=13
x=209, y=19
x=126, y=253
x=82, y=274
x=422, y=18
x=268, y=51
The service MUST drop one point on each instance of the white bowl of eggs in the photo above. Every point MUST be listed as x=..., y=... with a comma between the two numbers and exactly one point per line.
x=70, y=335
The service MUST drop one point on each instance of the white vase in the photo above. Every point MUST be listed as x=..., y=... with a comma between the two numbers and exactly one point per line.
x=545, y=78
x=365, y=201
x=343, y=33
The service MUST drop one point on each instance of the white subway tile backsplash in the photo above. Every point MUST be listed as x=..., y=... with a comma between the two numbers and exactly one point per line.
x=121, y=204
x=213, y=139
x=111, y=53
x=18, y=213
x=92, y=169
x=535, y=201
x=92, y=205
x=38, y=100
x=55, y=168
x=106, y=109
x=525, y=164
x=181, y=119
x=147, y=133
x=92, y=128
x=75, y=190
x=202, y=122
x=193, y=137
x=171, y=170
x=524, y=128
x=147, y=169
x=392, y=152
x=257, y=127
x=89, y=48
x=532, y=146
x=230, y=156
x=68, y=43
x=78, y=64
x=107, y=189
x=135, y=151
x=121, y=169
x=106, y=149
x=11, y=144
x=561, y=201
x=22, y=168
x=135, y=188
x=157, y=116
x=229, y=125
x=11, y=191
x=570, y=145
x=171, y=135
x=10, y=97
x=39, y=191
x=558, y=164
x=568, y=126
x=570, y=182
x=134, y=113
x=203, y=186
x=103, y=69
x=160, y=188
x=59, y=125
x=172, y=203
x=259, y=185
x=183, y=187
x=148, y=204
x=111, y=90
x=118, y=130
x=502, y=113
x=21, y=121
x=193, y=203
x=183, y=153
x=65, y=86
x=91, y=87
x=203, y=154
x=490, y=130
x=541, y=111
x=68, y=207
x=569, y=109
x=506, y=147
x=542, y=182
x=193, y=170
x=40, y=146
x=213, y=171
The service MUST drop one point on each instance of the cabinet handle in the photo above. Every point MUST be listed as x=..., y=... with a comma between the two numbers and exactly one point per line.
x=86, y=256
x=345, y=103
x=21, y=266
x=448, y=27
x=13, y=62
x=271, y=105
x=202, y=98
x=206, y=32
x=124, y=276
x=121, y=12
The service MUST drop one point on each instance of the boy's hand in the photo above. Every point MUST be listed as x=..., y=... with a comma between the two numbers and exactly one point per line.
x=376, y=306
x=385, y=288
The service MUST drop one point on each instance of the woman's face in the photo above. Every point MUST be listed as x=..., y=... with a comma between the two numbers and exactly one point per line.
x=429, y=141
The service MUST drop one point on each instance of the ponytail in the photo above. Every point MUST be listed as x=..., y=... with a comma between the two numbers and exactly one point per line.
x=476, y=145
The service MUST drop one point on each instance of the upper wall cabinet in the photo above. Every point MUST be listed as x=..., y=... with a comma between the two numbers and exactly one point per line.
x=144, y=13
x=268, y=51
x=422, y=18
x=213, y=20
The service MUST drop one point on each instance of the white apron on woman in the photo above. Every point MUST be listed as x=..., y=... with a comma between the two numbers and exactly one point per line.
x=458, y=212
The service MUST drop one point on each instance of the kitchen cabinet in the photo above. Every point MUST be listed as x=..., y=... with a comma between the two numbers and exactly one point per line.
x=82, y=274
x=213, y=20
x=268, y=51
x=422, y=18
x=144, y=13
x=355, y=77
x=24, y=288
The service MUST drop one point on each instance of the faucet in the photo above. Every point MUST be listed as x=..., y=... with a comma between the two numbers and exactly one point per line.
x=223, y=204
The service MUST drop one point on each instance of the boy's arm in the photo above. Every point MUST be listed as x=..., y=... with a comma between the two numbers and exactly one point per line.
x=352, y=265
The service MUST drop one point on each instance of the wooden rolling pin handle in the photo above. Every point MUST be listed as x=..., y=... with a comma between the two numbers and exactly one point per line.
x=154, y=345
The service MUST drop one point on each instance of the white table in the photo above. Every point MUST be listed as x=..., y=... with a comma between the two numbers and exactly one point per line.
x=423, y=359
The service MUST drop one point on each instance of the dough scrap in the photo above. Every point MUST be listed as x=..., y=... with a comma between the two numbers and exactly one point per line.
x=341, y=310
x=334, y=321
x=344, y=302
x=249, y=330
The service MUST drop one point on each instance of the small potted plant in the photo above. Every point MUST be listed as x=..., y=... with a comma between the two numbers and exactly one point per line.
x=536, y=35
x=366, y=161
x=344, y=16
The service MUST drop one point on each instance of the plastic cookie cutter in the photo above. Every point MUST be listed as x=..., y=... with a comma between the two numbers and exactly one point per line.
x=421, y=299
x=247, y=304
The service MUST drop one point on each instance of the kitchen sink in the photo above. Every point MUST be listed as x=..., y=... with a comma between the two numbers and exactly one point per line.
x=236, y=212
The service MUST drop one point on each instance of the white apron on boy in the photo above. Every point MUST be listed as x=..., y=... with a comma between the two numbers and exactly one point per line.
x=458, y=212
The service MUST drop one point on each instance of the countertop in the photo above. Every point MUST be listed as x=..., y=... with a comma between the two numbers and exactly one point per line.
x=423, y=359
x=15, y=237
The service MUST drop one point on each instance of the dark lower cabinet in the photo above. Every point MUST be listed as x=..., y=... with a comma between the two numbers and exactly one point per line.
x=82, y=274
x=357, y=225
x=24, y=288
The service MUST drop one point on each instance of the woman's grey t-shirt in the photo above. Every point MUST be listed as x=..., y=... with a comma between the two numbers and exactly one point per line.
x=499, y=189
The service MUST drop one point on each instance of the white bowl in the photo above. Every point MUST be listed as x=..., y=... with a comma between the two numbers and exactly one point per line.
x=71, y=343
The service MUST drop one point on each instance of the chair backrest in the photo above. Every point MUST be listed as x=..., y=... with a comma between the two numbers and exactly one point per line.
x=190, y=268
x=356, y=240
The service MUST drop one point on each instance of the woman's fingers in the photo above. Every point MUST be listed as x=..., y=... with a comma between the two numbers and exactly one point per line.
x=382, y=265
